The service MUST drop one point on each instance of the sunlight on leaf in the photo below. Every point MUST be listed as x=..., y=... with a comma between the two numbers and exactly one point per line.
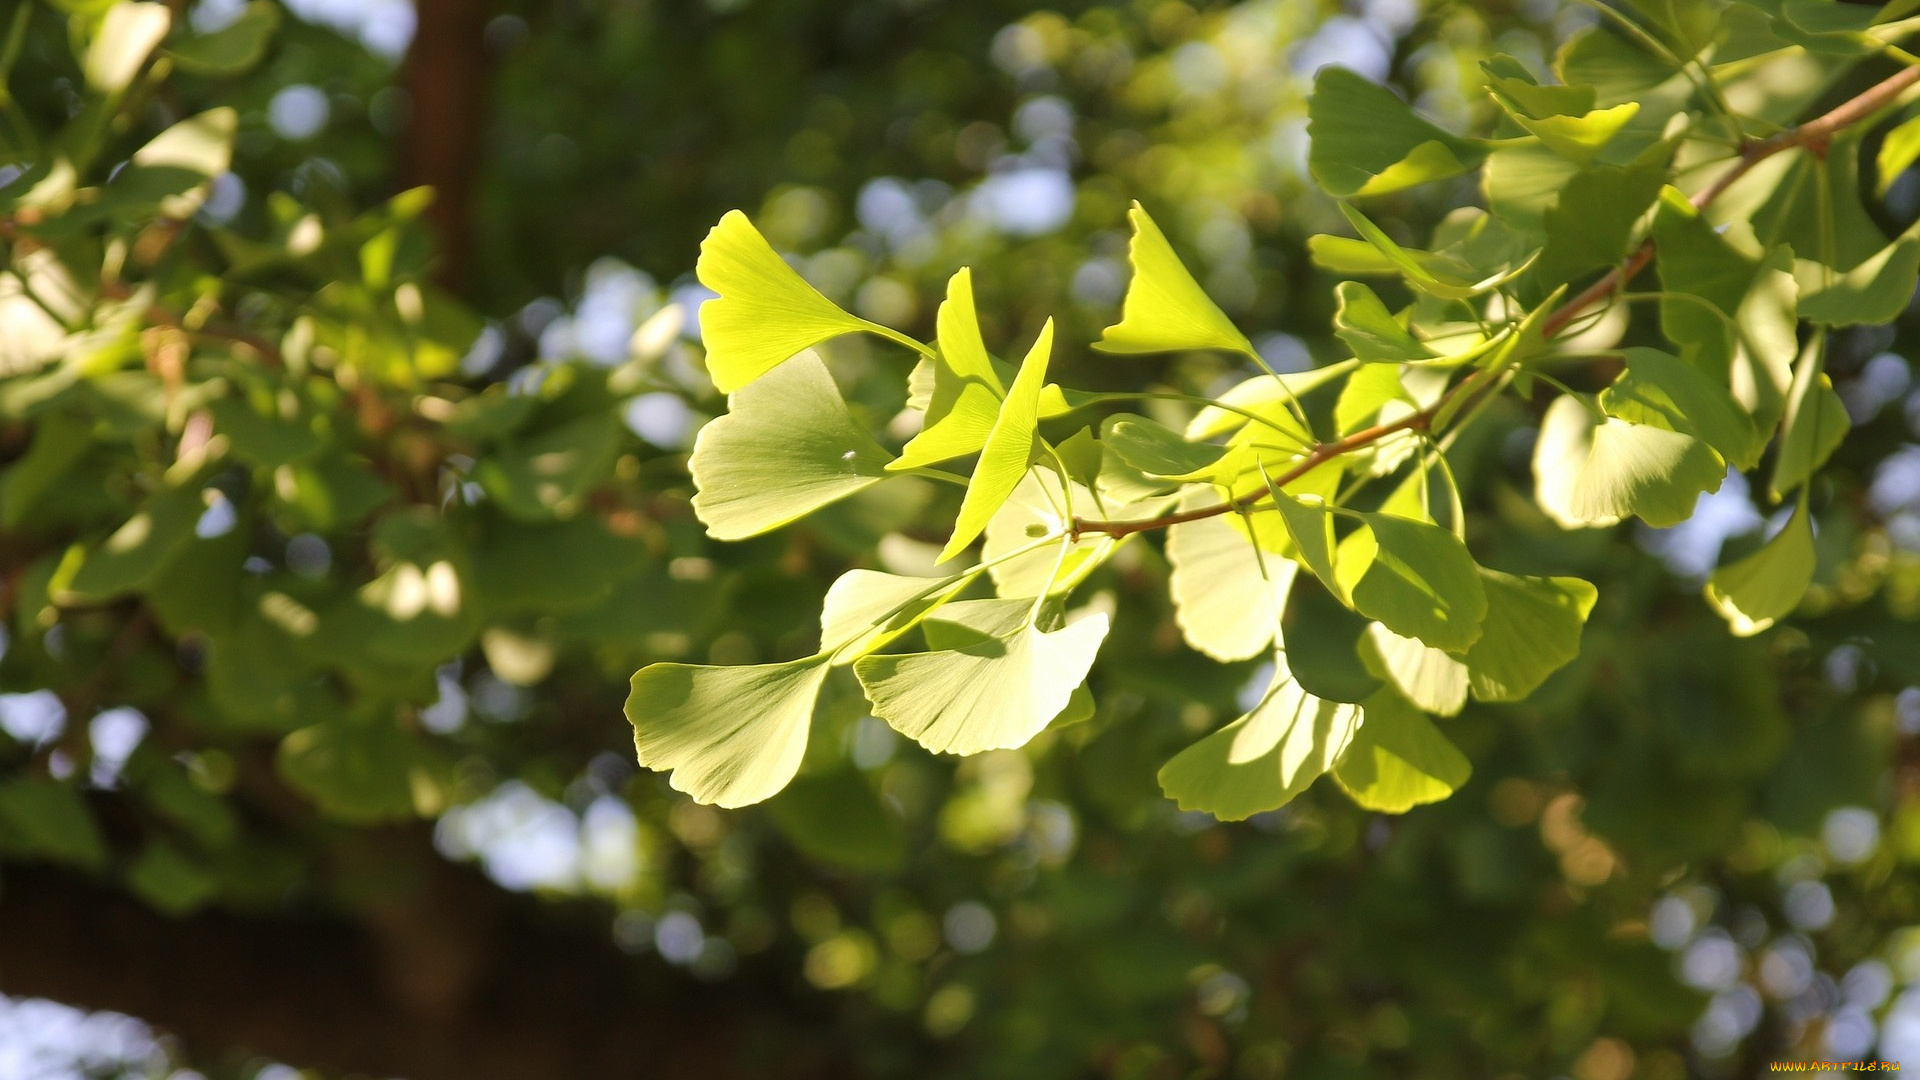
x=1764, y=587
x=731, y=735
x=994, y=692
x=786, y=447
x=1262, y=760
x=766, y=312
x=1398, y=759
x=1165, y=309
x=1532, y=630
x=1227, y=597
x=1009, y=448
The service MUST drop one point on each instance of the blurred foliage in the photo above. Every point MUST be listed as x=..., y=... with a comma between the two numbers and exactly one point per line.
x=292, y=543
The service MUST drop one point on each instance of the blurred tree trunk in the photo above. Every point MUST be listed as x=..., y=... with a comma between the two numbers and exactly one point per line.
x=451, y=979
x=446, y=78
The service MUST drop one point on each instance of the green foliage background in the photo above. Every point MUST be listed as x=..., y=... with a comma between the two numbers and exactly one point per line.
x=442, y=560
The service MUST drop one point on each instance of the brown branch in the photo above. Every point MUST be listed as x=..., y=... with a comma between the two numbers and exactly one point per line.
x=1813, y=135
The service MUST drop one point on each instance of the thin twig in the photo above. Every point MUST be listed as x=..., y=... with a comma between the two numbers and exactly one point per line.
x=1814, y=135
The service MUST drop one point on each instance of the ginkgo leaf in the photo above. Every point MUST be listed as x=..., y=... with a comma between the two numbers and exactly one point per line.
x=994, y=693
x=1262, y=760
x=1764, y=587
x=1898, y=152
x=731, y=735
x=766, y=312
x=1532, y=630
x=1509, y=79
x=1434, y=273
x=1875, y=292
x=1165, y=310
x=1039, y=505
x=128, y=34
x=1415, y=577
x=1814, y=425
x=1309, y=525
x=1593, y=218
x=786, y=447
x=865, y=609
x=1269, y=397
x=966, y=388
x=1009, y=448
x=1588, y=473
x=1367, y=395
x=1370, y=330
x=1364, y=140
x=234, y=47
x=1227, y=597
x=139, y=551
x=1157, y=451
x=1398, y=759
x=1430, y=678
x=1662, y=389
x=1581, y=138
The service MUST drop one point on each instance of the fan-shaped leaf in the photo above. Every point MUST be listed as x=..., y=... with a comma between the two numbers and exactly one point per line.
x=1009, y=448
x=1227, y=597
x=1370, y=330
x=1264, y=759
x=766, y=312
x=1398, y=759
x=1430, y=678
x=995, y=691
x=1415, y=577
x=1165, y=309
x=1764, y=587
x=1532, y=629
x=1590, y=474
x=786, y=447
x=731, y=735
x=1364, y=140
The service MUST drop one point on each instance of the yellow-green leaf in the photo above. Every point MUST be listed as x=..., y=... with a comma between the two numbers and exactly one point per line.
x=1009, y=448
x=995, y=691
x=1227, y=597
x=966, y=389
x=1765, y=586
x=1165, y=309
x=731, y=735
x=1364, y=140
x=1532, y=629
x=1398, y=759
x=1266, y=758
x=766, y=312
x=786, y=447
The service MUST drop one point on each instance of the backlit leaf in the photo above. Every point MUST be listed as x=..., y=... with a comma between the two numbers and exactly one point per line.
x=127, y=36
x=1366, y=141
x=1165, y=310
x=966, y=389
x=1009, y=448
x=1370, y=330
x=1765, y=586
x=1815, y=424
x=787, y=446
x=1414, y=577
x=766, y=312
x=1433, y=679
x=1532, y=629
x=1266, y=758
x=731, y=735
x=996, y=692
x=1227, y=595
x=1398, y=759
x=1588, y=473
